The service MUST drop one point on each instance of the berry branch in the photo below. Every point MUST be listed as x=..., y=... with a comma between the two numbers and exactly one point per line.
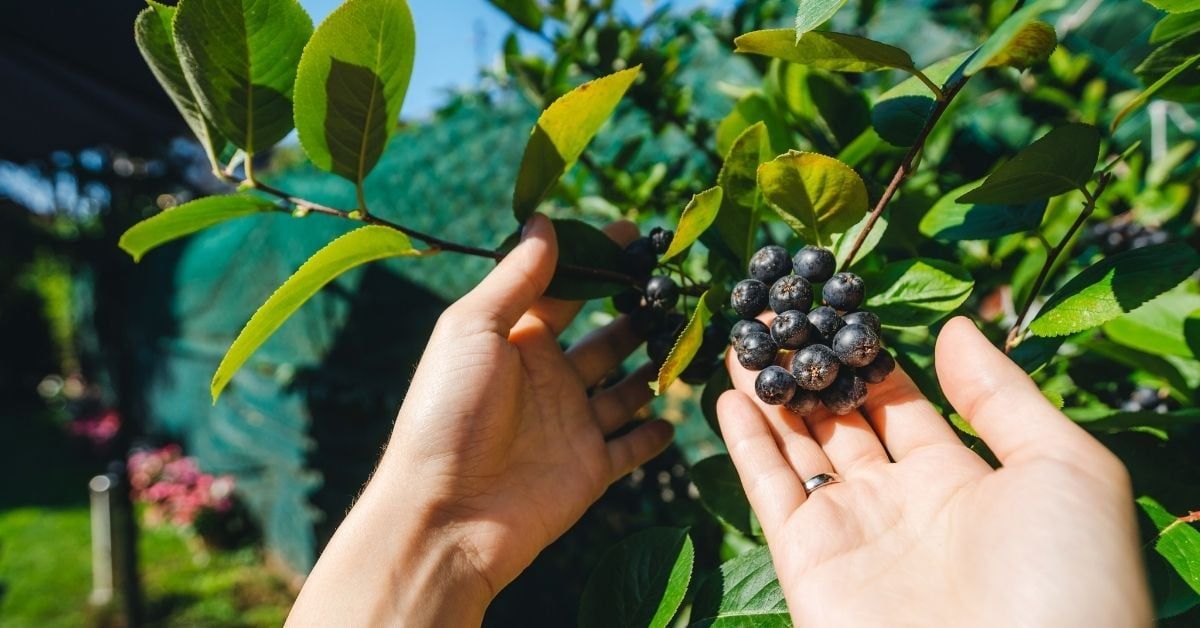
x=1052, y=257
x=906, y=166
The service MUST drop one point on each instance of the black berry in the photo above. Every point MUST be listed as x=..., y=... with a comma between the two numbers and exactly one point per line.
x=826, y=321
x=770, y=263
x=639, y=257
x=815, y=367
x=803, y=403
x=774, y=385
x=879, y=368
x=749, y=298
x=814, y=264
x=791, y=330
x=661, y=292
x=661, y=238
x=698, y=372
x=659, y=345
x=791, y=293
x=712, y=342
x=756, y=351
x=847, y=392
x=745, y=326
x=627, y=301
x=863, y=317
x=643, y=320
x=843, y=291
x=856, y=345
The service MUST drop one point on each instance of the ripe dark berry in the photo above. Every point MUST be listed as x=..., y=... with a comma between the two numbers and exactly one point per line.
x=770, y=263
x=698, y=372
x=879, y=368
x=643, y=320
x=661, y=292
x=826, y=321
x=774, y=385
x=814, y=264
x=803, y=403
x=843, y=292
x=815, y=367
x=745, y=326
x=749, y=298
x=791, y=330
x=756, y=351
x=639, y=257
x=713, y=342
x=863, y=317
x=791, y=293
x=659, y=345
x=847, y=392
x=661, y=239
x=856, y=345
x=627, y=301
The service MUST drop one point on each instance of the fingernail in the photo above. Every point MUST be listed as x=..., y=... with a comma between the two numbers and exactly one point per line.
x=527, y=228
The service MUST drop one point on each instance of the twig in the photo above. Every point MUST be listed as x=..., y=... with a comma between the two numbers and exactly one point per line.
x=1052, y=256
x=906, y=166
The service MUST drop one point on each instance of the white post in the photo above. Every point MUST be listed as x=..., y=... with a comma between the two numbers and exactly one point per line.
x=102, y=557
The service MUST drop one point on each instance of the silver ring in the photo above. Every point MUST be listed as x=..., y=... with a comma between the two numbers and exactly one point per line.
x=819, y=480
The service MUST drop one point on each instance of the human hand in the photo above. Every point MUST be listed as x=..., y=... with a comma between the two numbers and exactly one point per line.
x=937, y=537
x=496, y=452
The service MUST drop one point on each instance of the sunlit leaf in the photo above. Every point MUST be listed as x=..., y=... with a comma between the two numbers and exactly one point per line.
x=1174, y=6
x=737, y=221
x=687, y=346
x=721, y=492
x=1155, y=87
x=817, y=196
x=952, y=221
x=825, y=50
x=1178, y=541
x=699, y=214
x=1060, y=161
x=640, y=582
x=188, y=218
x=813, y=13
x=1010, y=33
x=1031, y=45
x=843, y=243
x=744, y=593
x=1160, y=327
x=916, y=292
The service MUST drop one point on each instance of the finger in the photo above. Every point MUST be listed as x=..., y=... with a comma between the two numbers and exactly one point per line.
x=517, y=281
x=558, y=313
x=774, y=489
x=603, y=350
x=1001, y=402
x=616, y=405
x=847, y=440
x=903, y=418
x=635, y=448
x=801, y=451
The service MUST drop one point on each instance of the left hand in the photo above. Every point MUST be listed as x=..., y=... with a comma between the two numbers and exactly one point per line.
x=497, y=450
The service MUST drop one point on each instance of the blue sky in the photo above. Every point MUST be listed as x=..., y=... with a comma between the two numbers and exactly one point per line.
x=457, y=37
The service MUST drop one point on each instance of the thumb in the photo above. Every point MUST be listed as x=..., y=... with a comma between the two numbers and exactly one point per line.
x=519, y=279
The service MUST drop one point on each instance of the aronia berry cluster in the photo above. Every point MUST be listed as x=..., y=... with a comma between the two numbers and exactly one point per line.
x=833, y=351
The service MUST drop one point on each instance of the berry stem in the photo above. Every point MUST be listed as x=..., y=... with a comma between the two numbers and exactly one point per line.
x=906, y=166
x=435, y=243
x=1052, y=256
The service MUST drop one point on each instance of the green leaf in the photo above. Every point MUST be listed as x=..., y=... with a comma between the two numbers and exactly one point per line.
x=1175, y=25
x=737, y=220
x=1173, y=6
x=1106, y=420
x=562, y=132
x=640, y=582
x=825, y=50
x=952, y=221
x=156, y=41
x=813, y=13
x=1031, y=45
x=916, y=292
x=580, y=244
x=1159, y=327
x=844, y=242
x=523, y=12
x=713, y=388
x=817, y=196
x=744, y=593
x=351, y=83
x=1178, y=540
x=899, y=114
x=699, y=214
x=1009, y=41
x=1060, y=161
x=365, y=244
x=749, y=110
x=1163, y=81
x=1114, y=286
x=240, y=59
x=188, y=218
x=687, y=345
x=721, y=492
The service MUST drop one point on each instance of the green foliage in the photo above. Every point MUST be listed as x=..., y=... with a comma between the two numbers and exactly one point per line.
x=562, y=132
x=1015, y=42
x=1178, y=541
x=1173, y=6
x=899, y=113
x=745, y=592
x=188, y=218
x=365, y=244
x=240, y=61
x=1114, y=286
x=722, y=494
x=351, y=83
x=688, y=344
x=1162, y=81
x=523, y=12
x=1168, y=325
x=1061, y=161
x=813, y=13
x=825, y=50
x=738, y=219
x=951, y=220
x=817, y=196
x=916, y=292
x=639, y=582
x=696, y=218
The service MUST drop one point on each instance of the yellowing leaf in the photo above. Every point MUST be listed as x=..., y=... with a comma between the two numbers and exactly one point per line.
x=825, y=50
x=818, y=196
x=686, y=346
x=699, y=214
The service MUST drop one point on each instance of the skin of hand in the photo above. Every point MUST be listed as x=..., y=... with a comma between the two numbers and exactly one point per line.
x=497, y=450
x=921, y=531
